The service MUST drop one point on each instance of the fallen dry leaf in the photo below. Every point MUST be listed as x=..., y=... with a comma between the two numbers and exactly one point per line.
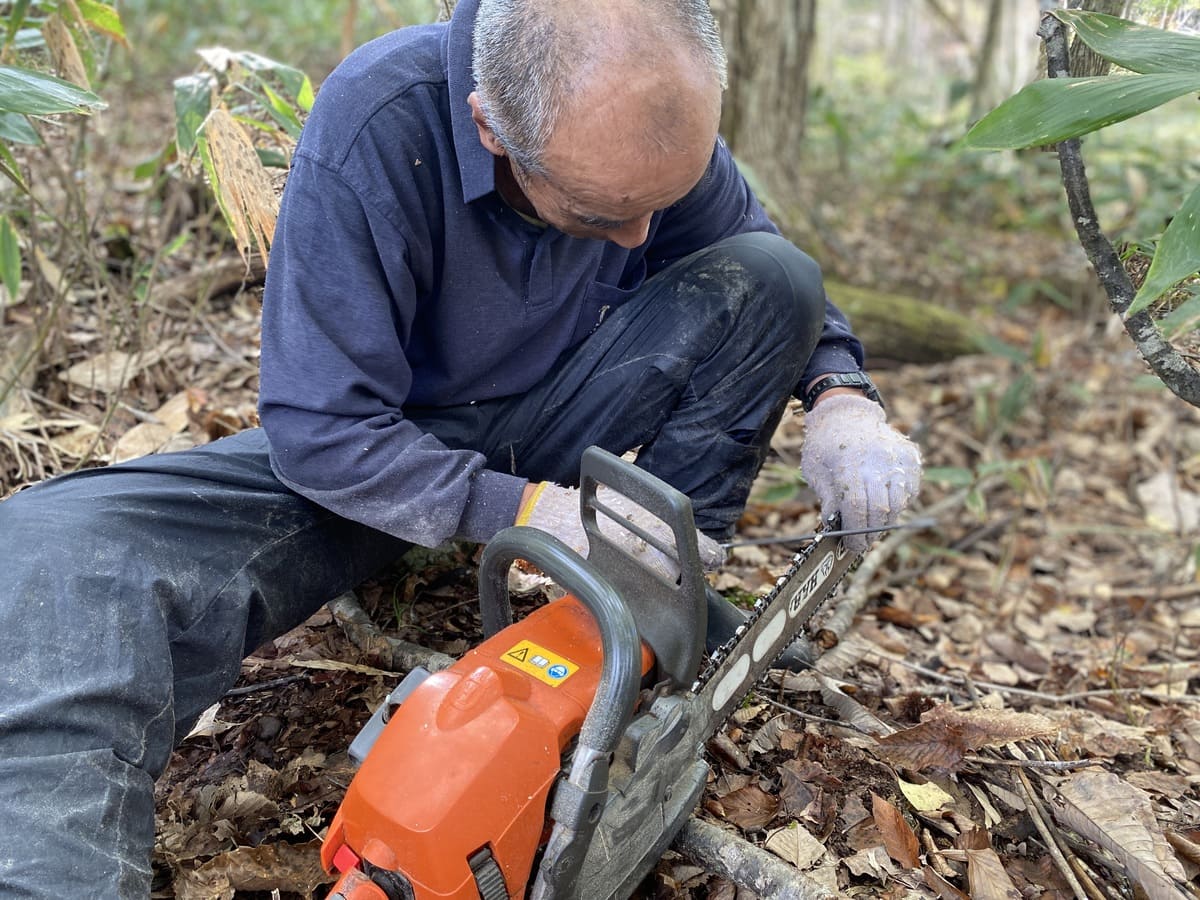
x=796, y=845
x=987, y=878
x=294, y=868
x=899, y=839
x=1119, y=817
x=749, y=808
x=110, y=372
x=927, y=797
x=946, y=735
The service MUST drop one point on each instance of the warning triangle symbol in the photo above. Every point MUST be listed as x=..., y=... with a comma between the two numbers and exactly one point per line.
x=519, y=654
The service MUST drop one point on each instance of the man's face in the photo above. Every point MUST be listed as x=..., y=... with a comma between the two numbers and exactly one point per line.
x=615, y=202
x=630, y=148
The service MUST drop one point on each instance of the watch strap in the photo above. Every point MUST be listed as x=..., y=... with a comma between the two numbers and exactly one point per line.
x=857, y=380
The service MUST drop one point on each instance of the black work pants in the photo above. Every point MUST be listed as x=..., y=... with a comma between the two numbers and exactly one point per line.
x=129, y=595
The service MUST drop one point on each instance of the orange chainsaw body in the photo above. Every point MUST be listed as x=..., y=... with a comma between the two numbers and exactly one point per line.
x=467, y=761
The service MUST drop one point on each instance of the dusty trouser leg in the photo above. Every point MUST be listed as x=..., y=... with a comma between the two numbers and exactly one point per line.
x=695, y=369
x=128, y=598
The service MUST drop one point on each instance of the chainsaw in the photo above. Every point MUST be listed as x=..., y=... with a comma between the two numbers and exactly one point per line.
x=558, y=759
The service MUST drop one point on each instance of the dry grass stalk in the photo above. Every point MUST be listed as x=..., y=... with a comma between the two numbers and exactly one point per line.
x=243, y=188
x=68, y=61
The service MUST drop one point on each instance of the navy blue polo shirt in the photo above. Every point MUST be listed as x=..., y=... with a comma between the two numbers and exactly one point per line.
x=399, y=277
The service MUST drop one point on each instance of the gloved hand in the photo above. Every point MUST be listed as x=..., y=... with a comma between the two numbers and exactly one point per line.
x=858, y=465
x=555, y=510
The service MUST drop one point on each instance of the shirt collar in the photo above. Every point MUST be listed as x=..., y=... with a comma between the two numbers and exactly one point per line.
x=475, y=163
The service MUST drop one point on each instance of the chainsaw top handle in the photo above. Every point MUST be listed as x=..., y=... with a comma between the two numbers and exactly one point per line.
x=621, y=670
x=671, y=616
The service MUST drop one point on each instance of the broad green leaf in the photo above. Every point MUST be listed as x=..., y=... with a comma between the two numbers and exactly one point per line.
x=1138, y=48
x=18, y=129
x=10, y=258
x=36, y=94
x=1055, y=109
x=1177, y=257
x=103, y=18
x=193, y=103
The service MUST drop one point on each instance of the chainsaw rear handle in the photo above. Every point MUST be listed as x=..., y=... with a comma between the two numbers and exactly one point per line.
x=621, y=670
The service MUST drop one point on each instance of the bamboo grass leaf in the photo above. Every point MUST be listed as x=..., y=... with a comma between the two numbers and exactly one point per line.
x=1177, y=256
x=1056, y=109
x=36, y=94
x=1139, y=48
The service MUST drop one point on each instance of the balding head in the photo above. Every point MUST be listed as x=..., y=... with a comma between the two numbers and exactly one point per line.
x=539, y=63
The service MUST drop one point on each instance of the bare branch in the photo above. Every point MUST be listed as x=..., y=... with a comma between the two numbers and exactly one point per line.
x=1164, y=360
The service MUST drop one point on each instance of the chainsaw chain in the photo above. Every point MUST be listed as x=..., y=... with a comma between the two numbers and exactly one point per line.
x=761, y=605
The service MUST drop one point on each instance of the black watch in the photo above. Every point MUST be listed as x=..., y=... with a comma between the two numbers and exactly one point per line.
x=857, y=380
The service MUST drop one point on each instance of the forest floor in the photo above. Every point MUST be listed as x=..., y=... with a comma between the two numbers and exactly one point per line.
x=1011, y=712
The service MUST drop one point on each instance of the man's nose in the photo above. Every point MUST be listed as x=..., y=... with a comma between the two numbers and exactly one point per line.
x=633, y=233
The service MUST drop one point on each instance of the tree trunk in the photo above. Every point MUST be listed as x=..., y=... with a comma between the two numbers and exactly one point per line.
x=1086, y=62
x=980, y=95
x=902, y=329
x=768, y=43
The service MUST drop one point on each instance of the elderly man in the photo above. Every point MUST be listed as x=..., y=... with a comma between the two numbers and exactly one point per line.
x=503, y=239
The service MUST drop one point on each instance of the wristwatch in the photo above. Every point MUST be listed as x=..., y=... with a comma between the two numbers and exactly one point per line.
x=857, y=380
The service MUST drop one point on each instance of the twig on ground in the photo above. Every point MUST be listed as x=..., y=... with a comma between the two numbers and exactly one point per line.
x=364, y=634
x=1033, y=805
x=809, y=717
x=744, y=864
x=1053, y=765
x=935, y=856
x=264, y=685
x=966, y=682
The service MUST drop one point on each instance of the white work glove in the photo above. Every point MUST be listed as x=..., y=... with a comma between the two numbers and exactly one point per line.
x=555, y=510
x=858, y=465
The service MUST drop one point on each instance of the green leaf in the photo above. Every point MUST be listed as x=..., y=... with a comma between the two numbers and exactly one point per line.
x=295, y=82
x=1177, y=256
x=281, y=111
x=950, y=476
x=1184, y=317
x=36, y=94
x=10, y=169
x=18, y=129
x=103, y=18
x=193, y=103
x=1138, y=48
x=1055, y=109
x=16, y=18
x=10, y=258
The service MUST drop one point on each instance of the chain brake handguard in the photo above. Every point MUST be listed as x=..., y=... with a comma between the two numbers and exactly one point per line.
x=671, y=617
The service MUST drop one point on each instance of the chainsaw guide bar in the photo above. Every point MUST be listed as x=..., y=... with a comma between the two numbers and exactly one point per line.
x=773, y=623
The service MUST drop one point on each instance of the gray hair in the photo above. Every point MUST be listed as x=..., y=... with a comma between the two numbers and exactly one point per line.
x=530, y=55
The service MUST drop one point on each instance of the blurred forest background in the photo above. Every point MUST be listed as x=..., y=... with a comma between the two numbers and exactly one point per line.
x=1061, y=578
x=117, y=265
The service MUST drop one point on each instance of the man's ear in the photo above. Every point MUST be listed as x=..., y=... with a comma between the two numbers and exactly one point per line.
x=487, y=137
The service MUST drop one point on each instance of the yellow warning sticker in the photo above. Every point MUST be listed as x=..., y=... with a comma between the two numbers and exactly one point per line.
x=544, y=665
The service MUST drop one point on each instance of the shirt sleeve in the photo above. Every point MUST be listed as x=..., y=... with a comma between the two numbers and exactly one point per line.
x=339, y=304
x=720, y=206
